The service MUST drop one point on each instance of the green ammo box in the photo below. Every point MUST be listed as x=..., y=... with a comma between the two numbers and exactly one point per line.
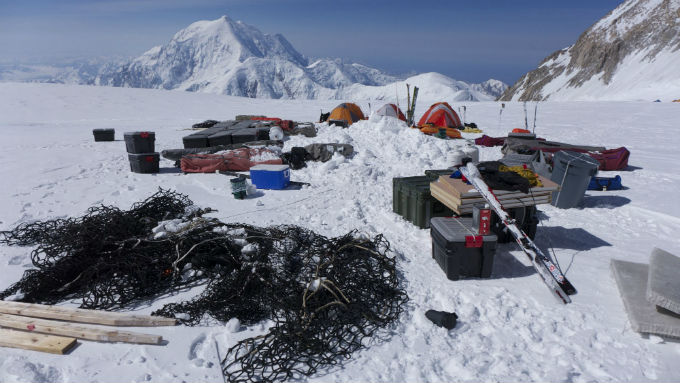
x=399, y=199
x=413, y=201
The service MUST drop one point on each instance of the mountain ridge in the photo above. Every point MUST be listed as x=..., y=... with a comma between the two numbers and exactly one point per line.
x=629, y=54
x=230, y=57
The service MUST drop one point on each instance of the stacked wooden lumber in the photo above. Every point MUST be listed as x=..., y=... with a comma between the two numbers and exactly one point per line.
x=460, y=197
x=51, y=328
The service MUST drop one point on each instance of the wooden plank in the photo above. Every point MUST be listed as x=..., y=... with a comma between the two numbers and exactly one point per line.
x=36, y=342
x=83, y=315
x=463, y=190
x=46, y=326
x=502, y=198
x=468, y=210
x=440, y=191
x=452, y=203
x=507, y=200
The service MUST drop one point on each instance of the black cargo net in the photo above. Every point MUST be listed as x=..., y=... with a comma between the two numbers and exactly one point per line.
x=324, y=295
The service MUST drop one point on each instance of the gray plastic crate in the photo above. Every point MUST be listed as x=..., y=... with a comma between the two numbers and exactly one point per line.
x=140, y=142
x=455, y=251
x=144, y=162
x=572, y=171
x=516, y=159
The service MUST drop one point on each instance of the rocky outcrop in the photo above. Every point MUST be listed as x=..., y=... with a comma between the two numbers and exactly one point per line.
x=637, y=27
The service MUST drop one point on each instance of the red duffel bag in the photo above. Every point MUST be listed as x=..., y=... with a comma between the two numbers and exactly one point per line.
x=612, y=159
x=235, y=160
x=203, y=163
x=287, y=125
x=489, y=141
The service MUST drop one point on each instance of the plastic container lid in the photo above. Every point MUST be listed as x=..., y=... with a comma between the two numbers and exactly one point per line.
x=141, y=134
x=270, y=168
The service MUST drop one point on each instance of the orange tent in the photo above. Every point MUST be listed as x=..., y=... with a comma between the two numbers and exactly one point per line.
x=441, y=114
x=345, y=114
x=678, y=100
x=392, y=111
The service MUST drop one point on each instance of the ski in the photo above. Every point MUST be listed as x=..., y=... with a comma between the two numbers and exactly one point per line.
x=546, y=268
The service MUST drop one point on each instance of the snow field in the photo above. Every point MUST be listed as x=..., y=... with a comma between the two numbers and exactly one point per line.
x=510, y=327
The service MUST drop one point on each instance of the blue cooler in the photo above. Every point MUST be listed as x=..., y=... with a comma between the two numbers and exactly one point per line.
x=270, y=176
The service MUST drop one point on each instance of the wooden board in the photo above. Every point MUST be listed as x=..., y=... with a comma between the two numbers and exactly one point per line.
x=36, y=342
x=46, y=326
x=463, y=190
x=83, y=315
x=468, y=210
x=504, y=198
x=454, y=204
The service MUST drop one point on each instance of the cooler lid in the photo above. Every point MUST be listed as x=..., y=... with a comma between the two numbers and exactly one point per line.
x=456, y=229
x=270, y=168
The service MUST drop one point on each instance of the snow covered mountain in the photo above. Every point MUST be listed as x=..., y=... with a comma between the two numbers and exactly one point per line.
x=630, y=54
x=229, y=57
x=432, y=87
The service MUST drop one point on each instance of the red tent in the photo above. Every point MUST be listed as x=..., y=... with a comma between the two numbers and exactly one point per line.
x=392, y=111
x=441, y=114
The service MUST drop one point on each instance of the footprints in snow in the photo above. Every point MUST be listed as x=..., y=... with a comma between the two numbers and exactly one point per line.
x=201, y=349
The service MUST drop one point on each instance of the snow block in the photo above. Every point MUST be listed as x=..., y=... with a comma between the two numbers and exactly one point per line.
x=663, y=288
x=643, y=315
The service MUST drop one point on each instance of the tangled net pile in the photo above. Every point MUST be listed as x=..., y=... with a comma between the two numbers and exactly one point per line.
x=324, y=295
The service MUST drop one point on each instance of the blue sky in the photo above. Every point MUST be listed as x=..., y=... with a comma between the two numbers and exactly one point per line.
x=467, y=40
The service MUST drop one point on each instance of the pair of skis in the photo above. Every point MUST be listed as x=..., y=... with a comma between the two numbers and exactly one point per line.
x=546, y=268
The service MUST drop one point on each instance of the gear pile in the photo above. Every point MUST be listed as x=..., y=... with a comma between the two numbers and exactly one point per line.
x=324, y=295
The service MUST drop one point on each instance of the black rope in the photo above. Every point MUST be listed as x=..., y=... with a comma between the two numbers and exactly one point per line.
x=324, y=295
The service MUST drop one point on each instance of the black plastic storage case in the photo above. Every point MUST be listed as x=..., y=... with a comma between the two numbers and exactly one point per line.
x=144, y=162
x=140, y=142
x=457, y=250
x=220, y=138
x=103, y=134
x=244, y=135
x=193, y=141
